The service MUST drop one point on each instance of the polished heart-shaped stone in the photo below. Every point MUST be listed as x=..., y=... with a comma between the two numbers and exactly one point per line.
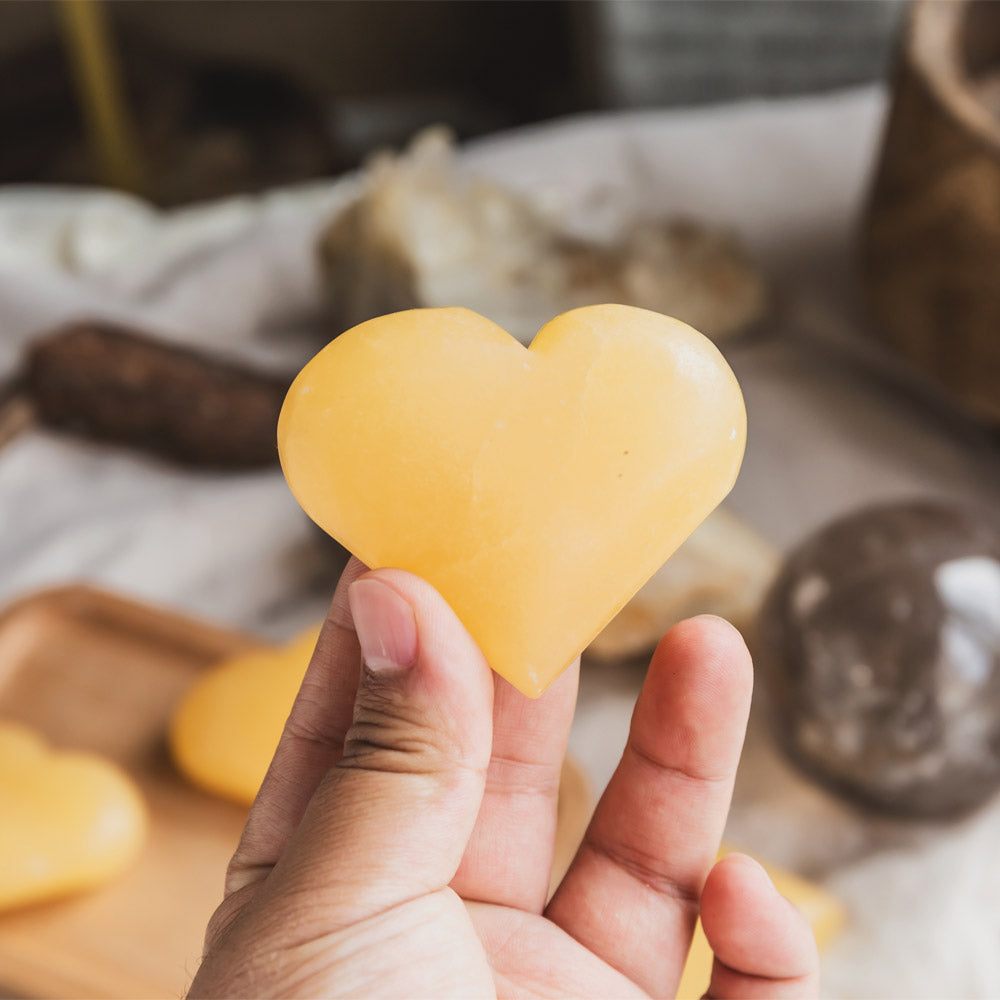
x=224, y=731
x=536, y=488
x=68, y=820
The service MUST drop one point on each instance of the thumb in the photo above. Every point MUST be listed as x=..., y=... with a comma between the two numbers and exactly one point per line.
x=392, y=819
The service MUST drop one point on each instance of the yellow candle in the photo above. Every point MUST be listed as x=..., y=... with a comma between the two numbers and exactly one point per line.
x=536, y=488
x=98, y=82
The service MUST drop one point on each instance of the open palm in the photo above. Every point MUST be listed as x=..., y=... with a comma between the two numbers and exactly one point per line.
x=402, y=842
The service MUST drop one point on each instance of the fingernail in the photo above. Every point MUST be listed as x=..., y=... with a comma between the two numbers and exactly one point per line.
x=752, y=865
x=386, y=627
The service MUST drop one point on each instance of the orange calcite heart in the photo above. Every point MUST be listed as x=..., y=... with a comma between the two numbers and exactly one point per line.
x=226, y=728
x=536, y=488
x=68, y=820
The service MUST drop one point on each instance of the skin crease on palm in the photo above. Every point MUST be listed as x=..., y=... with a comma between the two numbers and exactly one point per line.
x=402, y=841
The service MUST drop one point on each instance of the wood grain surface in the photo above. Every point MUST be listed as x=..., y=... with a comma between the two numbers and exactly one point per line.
x=94, y=671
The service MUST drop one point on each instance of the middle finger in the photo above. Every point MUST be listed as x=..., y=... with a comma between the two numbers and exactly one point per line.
x=509, y=856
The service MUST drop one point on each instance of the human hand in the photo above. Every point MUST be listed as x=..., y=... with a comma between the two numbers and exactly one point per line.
x=402, y=841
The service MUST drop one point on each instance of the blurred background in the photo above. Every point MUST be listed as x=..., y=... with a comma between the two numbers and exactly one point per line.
x=196, y=197
x=235, y=96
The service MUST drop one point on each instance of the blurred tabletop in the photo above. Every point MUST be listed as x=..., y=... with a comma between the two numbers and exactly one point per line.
x=833, y=424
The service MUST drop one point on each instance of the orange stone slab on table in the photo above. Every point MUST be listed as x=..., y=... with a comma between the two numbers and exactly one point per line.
x=536, y=488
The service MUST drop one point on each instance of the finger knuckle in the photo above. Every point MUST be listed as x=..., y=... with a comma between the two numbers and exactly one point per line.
x=390, y=734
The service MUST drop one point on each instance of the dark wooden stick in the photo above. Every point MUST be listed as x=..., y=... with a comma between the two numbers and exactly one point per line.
x=115, y=385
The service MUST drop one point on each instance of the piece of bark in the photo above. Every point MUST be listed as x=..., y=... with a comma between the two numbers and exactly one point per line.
x=931, y=239
x=112, y=384
x=724, y=569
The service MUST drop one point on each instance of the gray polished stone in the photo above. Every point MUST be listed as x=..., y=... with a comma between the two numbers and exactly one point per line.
x=880, y=648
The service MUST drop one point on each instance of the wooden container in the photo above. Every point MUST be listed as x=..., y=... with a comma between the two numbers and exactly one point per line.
x=931, y=240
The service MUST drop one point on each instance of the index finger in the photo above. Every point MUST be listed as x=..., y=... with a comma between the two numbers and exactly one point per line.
x=631, y=895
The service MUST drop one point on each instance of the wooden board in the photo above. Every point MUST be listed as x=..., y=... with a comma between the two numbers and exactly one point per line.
x=94, y=671
x=99, y=673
